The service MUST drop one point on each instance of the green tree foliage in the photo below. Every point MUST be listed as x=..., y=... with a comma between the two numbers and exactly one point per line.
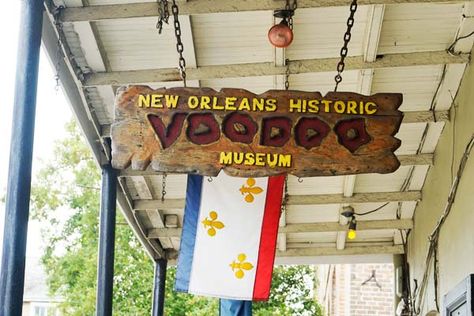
x=291, y=293
x=180, y=304
x=65, y=198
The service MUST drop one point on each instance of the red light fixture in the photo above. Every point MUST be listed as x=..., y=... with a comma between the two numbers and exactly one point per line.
x=280, y=35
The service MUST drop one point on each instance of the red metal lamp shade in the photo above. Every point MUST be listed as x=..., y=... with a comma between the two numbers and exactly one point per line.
x=280, y=35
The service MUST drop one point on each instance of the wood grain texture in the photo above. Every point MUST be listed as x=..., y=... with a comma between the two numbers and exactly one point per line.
x=135, y=142
x=307, y=227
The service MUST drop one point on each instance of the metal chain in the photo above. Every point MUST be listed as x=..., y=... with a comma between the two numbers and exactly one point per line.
x=285, y=196
x=347, y=39
x=287, y=74
x=59, y=26
x=179, y=43
x=293, y=7
x=163, y=187
x=163, y=14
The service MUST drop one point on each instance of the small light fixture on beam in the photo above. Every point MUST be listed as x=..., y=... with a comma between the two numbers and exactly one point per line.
x=280, y=35
x=350, y=214
x=351, y=232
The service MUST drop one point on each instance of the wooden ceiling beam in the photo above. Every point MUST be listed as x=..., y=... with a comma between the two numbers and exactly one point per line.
x=319, y=199
x=305, y=227
x=376, y=197
x=269, y=68
x=140, y=10
x=332, y=251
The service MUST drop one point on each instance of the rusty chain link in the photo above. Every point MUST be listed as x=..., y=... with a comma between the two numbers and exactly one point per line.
x=163, y=14
x=287, y=74
x=285, y=195
x=347, y=38
x=291, y=7
x=163, y=187
x=59, y=26
x=179, y=43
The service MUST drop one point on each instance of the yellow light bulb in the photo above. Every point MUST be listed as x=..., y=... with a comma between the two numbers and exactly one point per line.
x=351, y=234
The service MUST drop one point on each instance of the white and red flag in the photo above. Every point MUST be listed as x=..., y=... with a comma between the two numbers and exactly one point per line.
x=229, y=236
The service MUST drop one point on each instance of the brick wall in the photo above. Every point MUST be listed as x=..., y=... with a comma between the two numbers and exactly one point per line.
x=349, y=297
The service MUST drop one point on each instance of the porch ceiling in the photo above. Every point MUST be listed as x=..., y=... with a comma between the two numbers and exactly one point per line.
x=397, y=46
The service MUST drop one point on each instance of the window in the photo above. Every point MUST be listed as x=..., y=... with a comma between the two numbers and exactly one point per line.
x=44, y=309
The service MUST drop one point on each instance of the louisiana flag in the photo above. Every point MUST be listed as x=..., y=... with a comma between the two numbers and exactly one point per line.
x=229, y=236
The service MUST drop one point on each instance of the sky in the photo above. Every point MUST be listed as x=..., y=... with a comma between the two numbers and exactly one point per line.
x=52, y=112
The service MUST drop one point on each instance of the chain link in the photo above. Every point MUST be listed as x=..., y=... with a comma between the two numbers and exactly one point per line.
x=179, y=43
x=287, y=74
x=163, y=14
x=292, y=7
x=347, y=38
x=58, y=57
x=59, y=27
x=284, y=202
x=163, y=187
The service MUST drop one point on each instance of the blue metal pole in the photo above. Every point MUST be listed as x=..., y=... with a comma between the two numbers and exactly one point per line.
x=12, y=275
x=159, y=287
x=105, y=268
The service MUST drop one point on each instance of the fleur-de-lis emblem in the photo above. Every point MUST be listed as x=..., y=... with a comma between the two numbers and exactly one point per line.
x=212, y=223
x=250, y=190
x=239, y=266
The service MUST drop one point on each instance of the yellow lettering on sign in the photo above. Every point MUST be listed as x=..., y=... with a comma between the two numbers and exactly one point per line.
x=270, y=105
x=238, y=158
x=295, y=105
x=272, y=162
x=144, y=101
x=351, y=107
x=259, y=159
x=171, y=101
x=205, y=100
x=249, y=159
x=258, y=104
x=339, y=107
x=326, y=104
x=230, y=103
x=285, y=161
x=244, y=105
x=215, y=104
x=225, y=158
x=156, y=101
x=254, y=159
x=313, y=106
x=193, y=102
x=370, y=108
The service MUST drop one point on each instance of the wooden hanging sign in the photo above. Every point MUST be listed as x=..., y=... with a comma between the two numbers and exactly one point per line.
x=200, y=130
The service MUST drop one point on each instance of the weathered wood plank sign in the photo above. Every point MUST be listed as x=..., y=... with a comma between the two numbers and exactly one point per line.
x=200, y=130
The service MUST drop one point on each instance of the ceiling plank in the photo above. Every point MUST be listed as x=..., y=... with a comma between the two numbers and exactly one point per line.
x=269, y=68
x=356, y=198
x=332, y=251
x=300, y=200
x=139, y=10
x=305, y=227
x=126, y=203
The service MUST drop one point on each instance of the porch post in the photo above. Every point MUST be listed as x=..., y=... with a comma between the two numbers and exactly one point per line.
x=12, y=276
x=159, y=287
x=105, y=267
